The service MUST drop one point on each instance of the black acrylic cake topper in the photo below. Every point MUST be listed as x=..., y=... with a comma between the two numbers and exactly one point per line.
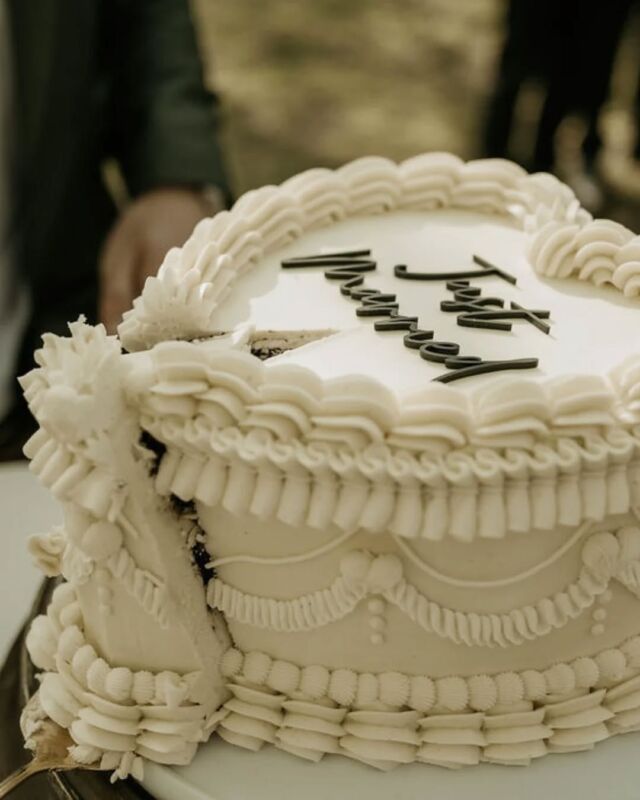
x=472, y=309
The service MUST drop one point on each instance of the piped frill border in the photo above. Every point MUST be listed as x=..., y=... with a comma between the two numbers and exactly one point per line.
x=605, y=557
x=278, y=442
x=116, y=716
x=389, y=718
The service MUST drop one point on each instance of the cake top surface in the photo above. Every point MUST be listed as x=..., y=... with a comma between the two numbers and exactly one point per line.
x=590, y=329
x=565, y=293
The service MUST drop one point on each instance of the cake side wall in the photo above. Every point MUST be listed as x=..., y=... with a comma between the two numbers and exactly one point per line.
x=357, y=671
x=417, y=607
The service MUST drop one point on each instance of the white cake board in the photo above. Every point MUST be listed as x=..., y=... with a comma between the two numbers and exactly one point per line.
x=611, y=771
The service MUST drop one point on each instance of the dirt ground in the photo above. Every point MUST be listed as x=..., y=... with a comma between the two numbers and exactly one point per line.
x=318, y=82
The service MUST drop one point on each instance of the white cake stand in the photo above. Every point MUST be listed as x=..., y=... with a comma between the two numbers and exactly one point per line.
x=611, y=771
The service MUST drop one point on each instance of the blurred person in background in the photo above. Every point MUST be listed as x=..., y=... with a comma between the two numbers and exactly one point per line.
x=82, y=81
x=636, y=117
x=570, y=47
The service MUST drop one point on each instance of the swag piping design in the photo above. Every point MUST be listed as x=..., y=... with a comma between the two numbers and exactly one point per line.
x=605, y=556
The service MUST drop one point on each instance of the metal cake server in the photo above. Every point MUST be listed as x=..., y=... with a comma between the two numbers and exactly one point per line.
x=50, y=744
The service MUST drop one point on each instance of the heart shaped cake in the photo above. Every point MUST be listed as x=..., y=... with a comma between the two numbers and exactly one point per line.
x=359, y=476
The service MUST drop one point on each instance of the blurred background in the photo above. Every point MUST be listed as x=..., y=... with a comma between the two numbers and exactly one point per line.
x=307, y=83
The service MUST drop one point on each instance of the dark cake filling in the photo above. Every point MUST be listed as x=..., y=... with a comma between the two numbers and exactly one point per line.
x=156, y=448
x=196, y=538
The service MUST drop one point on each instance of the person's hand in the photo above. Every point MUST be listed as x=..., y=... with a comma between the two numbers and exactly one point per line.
x=134, y=249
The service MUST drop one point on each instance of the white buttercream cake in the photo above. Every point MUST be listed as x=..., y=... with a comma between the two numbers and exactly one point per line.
x=365, y=480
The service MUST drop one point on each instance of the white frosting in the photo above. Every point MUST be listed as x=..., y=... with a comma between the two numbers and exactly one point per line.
x=47, y=550
x=110, y=714
x=445, y=241
x=604, y=556
x=465, y=494
x=228, y=417
x=383, y=733
x=300, y=300
x=125, y=564
x=311, y=471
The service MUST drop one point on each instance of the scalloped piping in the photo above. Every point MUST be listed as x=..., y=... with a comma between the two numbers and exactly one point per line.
x=449, y=580
x=604, y=556
x=566, y=242
x=212, y=404
x=601, y=252
x=480, y=492
x=432, y=572
x=395, y=691
x=458, y=495
x=388, y=719
x=115, y=716
x=193, y=280
x=202, y=389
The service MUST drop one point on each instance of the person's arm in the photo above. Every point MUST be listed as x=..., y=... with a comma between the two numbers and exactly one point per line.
x=165, y=121
x=164, y=135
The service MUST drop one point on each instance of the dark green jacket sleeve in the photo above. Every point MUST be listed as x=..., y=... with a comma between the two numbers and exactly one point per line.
x=165, y=122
